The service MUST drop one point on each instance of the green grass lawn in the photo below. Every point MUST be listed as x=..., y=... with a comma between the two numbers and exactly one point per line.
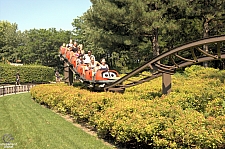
x=35, y=127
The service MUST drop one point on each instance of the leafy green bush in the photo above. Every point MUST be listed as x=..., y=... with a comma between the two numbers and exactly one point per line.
x=191, y=116
x=196, y=70
x=28, y=73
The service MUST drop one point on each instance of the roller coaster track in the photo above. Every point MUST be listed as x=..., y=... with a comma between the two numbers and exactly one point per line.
x=182, y=56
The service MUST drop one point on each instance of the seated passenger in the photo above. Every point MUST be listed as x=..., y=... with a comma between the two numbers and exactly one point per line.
x=85, y=67
x=62, y=48
x=71, y=52
x=87, y=57
x=80, y=60
x=71, y=43
x=78, y=53
x=67, y=47
x=68, y=51
x=75, y=47
x=87, y=61
x=103, y=65
x=63, y=45
x=93, y=65
x=80, y=47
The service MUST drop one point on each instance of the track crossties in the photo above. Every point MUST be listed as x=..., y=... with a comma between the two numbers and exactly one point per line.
x=182, y=56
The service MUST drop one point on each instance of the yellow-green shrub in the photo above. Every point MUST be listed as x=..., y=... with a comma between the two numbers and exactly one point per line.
x=192, y=116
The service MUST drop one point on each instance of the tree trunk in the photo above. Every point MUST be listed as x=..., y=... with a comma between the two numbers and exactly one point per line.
x=155, y=44
x=205, y=35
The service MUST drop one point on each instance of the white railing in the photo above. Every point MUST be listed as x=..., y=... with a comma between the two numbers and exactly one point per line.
x=14, y=89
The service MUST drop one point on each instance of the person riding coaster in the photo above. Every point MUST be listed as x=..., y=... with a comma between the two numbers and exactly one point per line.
x=101, y=69
x=87, y=69
x=93, y=65
x=103, y=65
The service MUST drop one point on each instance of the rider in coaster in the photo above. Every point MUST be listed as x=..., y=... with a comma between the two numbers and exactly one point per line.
x=103, y=65
x=93, y=66
x=80, y=47
x=68, y=47
x=71, y=43
x=87, y=57
x=78, y=53
x=80, y=60
x=62, y=47
x=87, y=61
x=75, y=47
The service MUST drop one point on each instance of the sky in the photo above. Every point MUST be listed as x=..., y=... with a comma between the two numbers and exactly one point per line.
x=42, y=14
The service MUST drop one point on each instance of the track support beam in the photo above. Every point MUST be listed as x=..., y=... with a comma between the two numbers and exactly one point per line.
x=68, y=74
x=166, y=83
x=70, y=77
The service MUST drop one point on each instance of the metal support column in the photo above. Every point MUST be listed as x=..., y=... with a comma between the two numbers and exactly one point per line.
x=68, y=74
x=70, y=77
x=166, y=83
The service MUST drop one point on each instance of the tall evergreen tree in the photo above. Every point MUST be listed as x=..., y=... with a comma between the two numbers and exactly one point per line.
x=211, y=14
x=133, y=30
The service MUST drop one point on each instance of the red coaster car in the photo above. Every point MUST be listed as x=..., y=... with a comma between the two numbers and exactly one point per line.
x=73, y=61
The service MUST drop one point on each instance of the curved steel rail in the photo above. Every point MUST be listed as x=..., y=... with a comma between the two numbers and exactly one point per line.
x=182, y=56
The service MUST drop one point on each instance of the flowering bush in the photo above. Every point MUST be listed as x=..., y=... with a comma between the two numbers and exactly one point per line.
x=191, y=116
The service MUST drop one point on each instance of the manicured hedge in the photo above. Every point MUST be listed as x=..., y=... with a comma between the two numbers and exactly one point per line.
x=28, y=74
x=192, y=116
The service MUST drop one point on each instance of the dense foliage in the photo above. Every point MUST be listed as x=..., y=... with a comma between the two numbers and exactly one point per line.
x=126, y=33
x=191, y=116
x=28, y=74
x=130, y=32
x=31, y=46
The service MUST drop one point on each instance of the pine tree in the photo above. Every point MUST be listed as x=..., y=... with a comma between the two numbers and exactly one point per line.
x=133, y=29
x=209, y=13
x=130, y=32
